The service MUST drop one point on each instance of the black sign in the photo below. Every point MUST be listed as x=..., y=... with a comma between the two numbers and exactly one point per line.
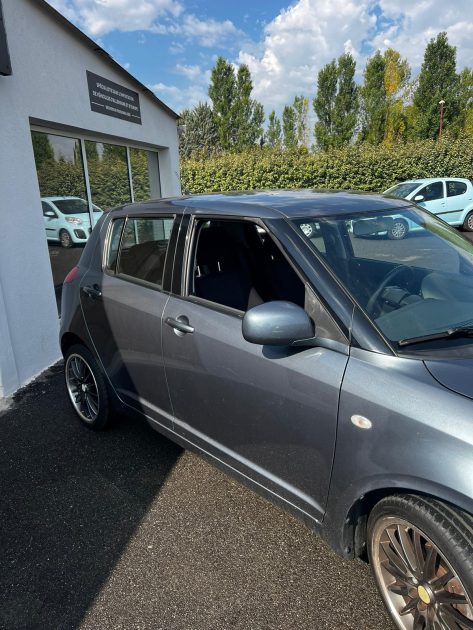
x=5, y=65
x=111, y=99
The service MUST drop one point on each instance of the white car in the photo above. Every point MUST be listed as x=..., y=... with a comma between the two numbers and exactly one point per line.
x=449, y=198
x=67, y=219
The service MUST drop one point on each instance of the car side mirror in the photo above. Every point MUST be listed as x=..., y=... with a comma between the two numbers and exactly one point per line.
x=278, y=323
x=50, y=213
x=419, y=198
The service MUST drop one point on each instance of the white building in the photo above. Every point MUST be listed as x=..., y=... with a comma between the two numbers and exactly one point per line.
x=97, y=134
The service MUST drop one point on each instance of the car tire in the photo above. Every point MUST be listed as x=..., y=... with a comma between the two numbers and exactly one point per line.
x=421, y=555
x=398, y=230
x=468, y=222
x=87, y=388
x=65, y=239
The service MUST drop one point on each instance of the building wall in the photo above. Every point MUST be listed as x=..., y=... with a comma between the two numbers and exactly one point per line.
x=49, y=86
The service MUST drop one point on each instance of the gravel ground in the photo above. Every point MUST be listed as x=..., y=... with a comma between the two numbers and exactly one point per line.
x=123, y=529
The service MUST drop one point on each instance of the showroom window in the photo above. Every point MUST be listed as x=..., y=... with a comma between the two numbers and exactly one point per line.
x=145, y=174
x=108, y=174
x=79, y=179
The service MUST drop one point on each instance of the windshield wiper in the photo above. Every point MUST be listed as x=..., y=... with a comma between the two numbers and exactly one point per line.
x=460, y=331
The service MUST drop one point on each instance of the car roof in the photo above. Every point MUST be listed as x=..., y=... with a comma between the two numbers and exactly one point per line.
x=57, y=198
x=273, y=203
x=426, y=180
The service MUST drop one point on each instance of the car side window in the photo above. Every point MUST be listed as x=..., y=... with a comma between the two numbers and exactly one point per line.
x=455, y=188
x=143, y=248
x=113, y=244
x=238, y=265
x=432, y=191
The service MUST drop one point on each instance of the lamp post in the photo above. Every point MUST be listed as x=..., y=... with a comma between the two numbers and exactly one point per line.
x=441, y=103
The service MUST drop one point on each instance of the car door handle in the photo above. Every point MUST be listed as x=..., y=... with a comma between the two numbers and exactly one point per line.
x=181, y=324
x=93, y=292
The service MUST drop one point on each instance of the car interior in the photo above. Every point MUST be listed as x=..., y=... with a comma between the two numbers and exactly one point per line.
x=144, y=261
x=237, y=264
x=400, y=293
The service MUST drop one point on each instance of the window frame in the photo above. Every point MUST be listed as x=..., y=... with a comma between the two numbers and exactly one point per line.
x=108, y=241
x=456, y=182
x=189, y=253
x=439, y=181
x=164, y=287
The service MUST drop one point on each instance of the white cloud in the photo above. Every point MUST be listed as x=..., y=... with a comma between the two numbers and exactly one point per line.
x=176, y=48
x=190, y=72
x=420, y=21
x=98, y=17
x=308, y=34
x=209, y=32
x=299, y=41
x=179, y=98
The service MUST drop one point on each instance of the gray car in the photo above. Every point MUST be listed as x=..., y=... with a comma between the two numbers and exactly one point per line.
x=332, y=374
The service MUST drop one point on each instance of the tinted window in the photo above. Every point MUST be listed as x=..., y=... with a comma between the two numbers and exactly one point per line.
x=455, y=188
x=114, y=243
x=143, y=248
x=237, y=264
x=431, y=192
x=419, y=285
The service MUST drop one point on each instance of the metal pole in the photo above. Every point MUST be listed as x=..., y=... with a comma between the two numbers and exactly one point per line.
x=88, y=192
x=441, y=103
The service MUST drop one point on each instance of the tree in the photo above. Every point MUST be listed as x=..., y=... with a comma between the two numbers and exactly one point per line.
x=466, y=100
x=345, y=112
x=438, y=81
x=238, y=117
x=42, y=149
x=301, y=109
x=373, y=100
x=248, y=115
x=198, y=131
x=273, y=134
x=222, y=90
x=289, y=127
x=396, y=76
x=324, y=104
x=336, y=103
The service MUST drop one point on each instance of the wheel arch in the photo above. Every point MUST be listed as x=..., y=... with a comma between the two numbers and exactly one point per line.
x=353, y=538
x=70, y=339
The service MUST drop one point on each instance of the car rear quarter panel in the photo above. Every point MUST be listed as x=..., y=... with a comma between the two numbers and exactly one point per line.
x=72, y=320
x=421, y=439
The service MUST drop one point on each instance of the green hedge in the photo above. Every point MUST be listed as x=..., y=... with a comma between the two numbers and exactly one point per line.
x=108, y=179
x=358, y=167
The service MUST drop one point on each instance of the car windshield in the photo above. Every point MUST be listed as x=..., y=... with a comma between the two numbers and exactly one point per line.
x=409, y=271
x=401, y=191
x=74, y=206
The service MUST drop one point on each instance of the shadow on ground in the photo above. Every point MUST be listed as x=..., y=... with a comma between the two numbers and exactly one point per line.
x=70, y=501
x=122, y=530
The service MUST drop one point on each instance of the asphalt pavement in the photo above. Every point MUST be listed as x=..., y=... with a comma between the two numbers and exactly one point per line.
x=125, y=530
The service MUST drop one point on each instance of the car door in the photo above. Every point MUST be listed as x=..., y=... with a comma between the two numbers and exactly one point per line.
x=50, y=222
x=434, y=198
x=268, y=412
x=458, y=198
x=123, y=305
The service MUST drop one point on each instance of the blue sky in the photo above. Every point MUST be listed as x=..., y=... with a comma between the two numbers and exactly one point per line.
x=171, y=45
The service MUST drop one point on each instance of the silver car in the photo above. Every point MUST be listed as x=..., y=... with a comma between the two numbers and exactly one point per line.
x=333, y=374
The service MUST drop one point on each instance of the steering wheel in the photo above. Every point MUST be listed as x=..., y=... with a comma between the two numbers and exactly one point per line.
x=374, y=299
